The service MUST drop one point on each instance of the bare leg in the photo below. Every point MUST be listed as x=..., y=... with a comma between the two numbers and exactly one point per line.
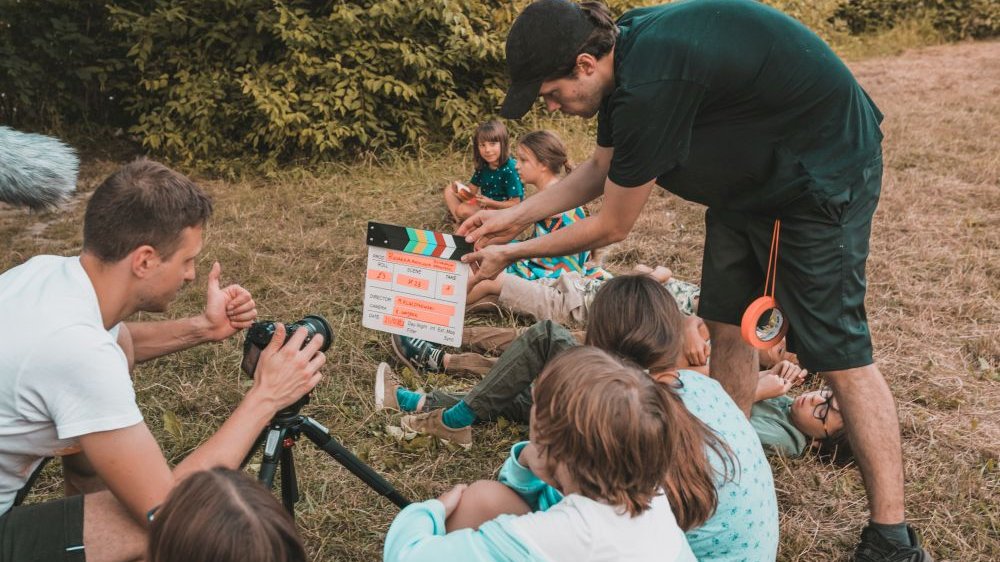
x=870, y=416
x=452, y=201
x=109, y=532
x=733, y=364
x=484, y=289
x=484, y=501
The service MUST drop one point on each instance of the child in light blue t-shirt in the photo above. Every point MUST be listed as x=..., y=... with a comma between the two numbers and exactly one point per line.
x=601, y=479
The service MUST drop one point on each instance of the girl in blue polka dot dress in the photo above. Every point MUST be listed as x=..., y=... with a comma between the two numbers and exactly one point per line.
x=495, y=184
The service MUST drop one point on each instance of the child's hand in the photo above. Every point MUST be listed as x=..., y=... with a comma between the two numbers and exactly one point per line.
x=696, y=348
x=770, y=385
x=790, y=372
x=451, y=498
x=485, y=202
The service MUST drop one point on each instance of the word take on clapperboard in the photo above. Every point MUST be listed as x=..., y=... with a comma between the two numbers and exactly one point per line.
x=416, y=283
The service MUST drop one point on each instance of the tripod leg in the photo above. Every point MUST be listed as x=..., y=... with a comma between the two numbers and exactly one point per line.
x=272, y=452
x=322, y=438
x=289, y=483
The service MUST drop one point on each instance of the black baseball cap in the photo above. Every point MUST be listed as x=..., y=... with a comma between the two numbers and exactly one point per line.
x=545, y=37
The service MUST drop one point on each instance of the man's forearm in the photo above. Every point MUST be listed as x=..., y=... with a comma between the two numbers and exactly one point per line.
x=231, y=443
x=584, y=184
x=577, y=237
x=155, y=339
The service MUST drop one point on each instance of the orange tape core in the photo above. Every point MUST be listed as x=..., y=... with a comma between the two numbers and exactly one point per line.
x=748, y=326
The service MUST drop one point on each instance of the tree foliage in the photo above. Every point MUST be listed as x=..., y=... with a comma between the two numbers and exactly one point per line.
x=281, y=80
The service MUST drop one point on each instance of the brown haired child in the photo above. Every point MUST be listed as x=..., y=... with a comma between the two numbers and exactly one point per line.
x=222, y=515
x=495, y=184
x=589, y=484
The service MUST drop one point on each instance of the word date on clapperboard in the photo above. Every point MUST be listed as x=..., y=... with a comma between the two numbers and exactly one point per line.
x=415, y=283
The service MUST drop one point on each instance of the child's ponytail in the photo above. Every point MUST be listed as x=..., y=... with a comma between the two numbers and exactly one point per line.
x=690, y=480
x=548, y=149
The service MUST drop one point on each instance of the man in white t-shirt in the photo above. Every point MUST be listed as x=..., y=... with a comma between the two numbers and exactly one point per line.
x=65, y=356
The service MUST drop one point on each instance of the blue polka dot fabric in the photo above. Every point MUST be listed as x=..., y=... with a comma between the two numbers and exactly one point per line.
x=745, y=525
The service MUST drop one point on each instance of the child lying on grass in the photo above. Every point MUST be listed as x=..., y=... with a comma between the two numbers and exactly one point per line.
x=791, y=426
x=597, y=480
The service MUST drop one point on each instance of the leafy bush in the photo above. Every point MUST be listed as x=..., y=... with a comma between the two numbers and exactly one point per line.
x=284, y=80
x=61, y=65
x=956, y=19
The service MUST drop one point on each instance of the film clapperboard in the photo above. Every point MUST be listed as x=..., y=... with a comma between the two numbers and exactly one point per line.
x=415, y=283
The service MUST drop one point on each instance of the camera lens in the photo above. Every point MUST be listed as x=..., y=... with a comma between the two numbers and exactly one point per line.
x=314, y=324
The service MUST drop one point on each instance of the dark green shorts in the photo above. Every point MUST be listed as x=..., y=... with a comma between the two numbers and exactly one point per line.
x=45, y=532
x=820, y=275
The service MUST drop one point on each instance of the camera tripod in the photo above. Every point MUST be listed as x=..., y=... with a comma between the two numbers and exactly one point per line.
x=280, y=436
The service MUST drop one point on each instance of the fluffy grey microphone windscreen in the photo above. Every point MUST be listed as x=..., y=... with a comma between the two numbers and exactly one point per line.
x=36, y=171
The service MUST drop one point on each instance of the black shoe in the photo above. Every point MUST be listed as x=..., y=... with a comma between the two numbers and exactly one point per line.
x=875, y=548
x=418, y=355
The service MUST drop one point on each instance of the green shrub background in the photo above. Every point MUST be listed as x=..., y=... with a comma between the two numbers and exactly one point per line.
x=300, y=81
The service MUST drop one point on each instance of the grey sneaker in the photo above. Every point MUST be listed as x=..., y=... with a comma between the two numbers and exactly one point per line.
x=875, y=548
x=418, y=355
x=431, y=423
x=386, y=385
x=385, y=388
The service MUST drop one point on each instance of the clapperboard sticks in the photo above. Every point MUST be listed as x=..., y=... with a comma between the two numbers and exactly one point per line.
x=416, y=241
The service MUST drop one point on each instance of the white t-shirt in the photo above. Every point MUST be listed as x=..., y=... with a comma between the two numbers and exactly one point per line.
x=579, y=529
x=62, y=374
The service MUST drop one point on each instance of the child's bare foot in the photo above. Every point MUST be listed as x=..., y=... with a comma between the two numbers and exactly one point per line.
x=662, y=274
x=642, y=268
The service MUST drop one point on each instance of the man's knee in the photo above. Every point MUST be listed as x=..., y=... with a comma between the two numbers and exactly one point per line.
x=109, y=531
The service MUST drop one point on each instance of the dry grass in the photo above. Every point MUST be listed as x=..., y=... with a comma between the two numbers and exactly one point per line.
x=934, y=302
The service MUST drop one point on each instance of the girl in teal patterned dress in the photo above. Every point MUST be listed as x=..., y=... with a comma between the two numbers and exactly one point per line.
x=495, y=183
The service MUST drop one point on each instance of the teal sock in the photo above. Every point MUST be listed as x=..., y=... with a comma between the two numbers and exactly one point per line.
x=895, y=533
x=458, y=416
x=407, y=399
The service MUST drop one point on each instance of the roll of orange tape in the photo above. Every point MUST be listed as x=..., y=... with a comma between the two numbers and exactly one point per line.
x=768, y=336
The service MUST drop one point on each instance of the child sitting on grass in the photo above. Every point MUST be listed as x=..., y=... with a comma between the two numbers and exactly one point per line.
x=565, y=301
x=612, y=457
x=495, y=184
x=635, y=317
x=541, y=157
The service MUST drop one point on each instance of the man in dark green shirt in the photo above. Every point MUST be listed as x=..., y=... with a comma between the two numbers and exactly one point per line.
x=734, y=105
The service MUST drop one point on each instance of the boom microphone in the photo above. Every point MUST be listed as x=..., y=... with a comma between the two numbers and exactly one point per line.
x=36, y=171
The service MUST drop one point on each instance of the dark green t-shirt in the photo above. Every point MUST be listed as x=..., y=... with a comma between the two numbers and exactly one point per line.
x=735, y=105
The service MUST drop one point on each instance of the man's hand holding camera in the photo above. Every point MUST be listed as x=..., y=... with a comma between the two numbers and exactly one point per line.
x=286, y=373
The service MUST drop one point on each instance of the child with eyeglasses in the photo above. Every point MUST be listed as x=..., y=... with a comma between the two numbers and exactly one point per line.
x=792, y=426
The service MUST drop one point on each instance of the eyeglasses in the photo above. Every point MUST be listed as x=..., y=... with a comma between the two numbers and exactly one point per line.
x=822, y=410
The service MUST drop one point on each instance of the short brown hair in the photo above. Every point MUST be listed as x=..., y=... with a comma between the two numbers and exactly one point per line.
x=222, y=515
x=600, y=41
x=143, y=203
x=548, y=149
x=635, y=317
x=491, y=131
x=622, y=436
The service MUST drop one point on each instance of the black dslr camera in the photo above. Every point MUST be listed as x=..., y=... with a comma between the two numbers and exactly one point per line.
x=260, y=334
